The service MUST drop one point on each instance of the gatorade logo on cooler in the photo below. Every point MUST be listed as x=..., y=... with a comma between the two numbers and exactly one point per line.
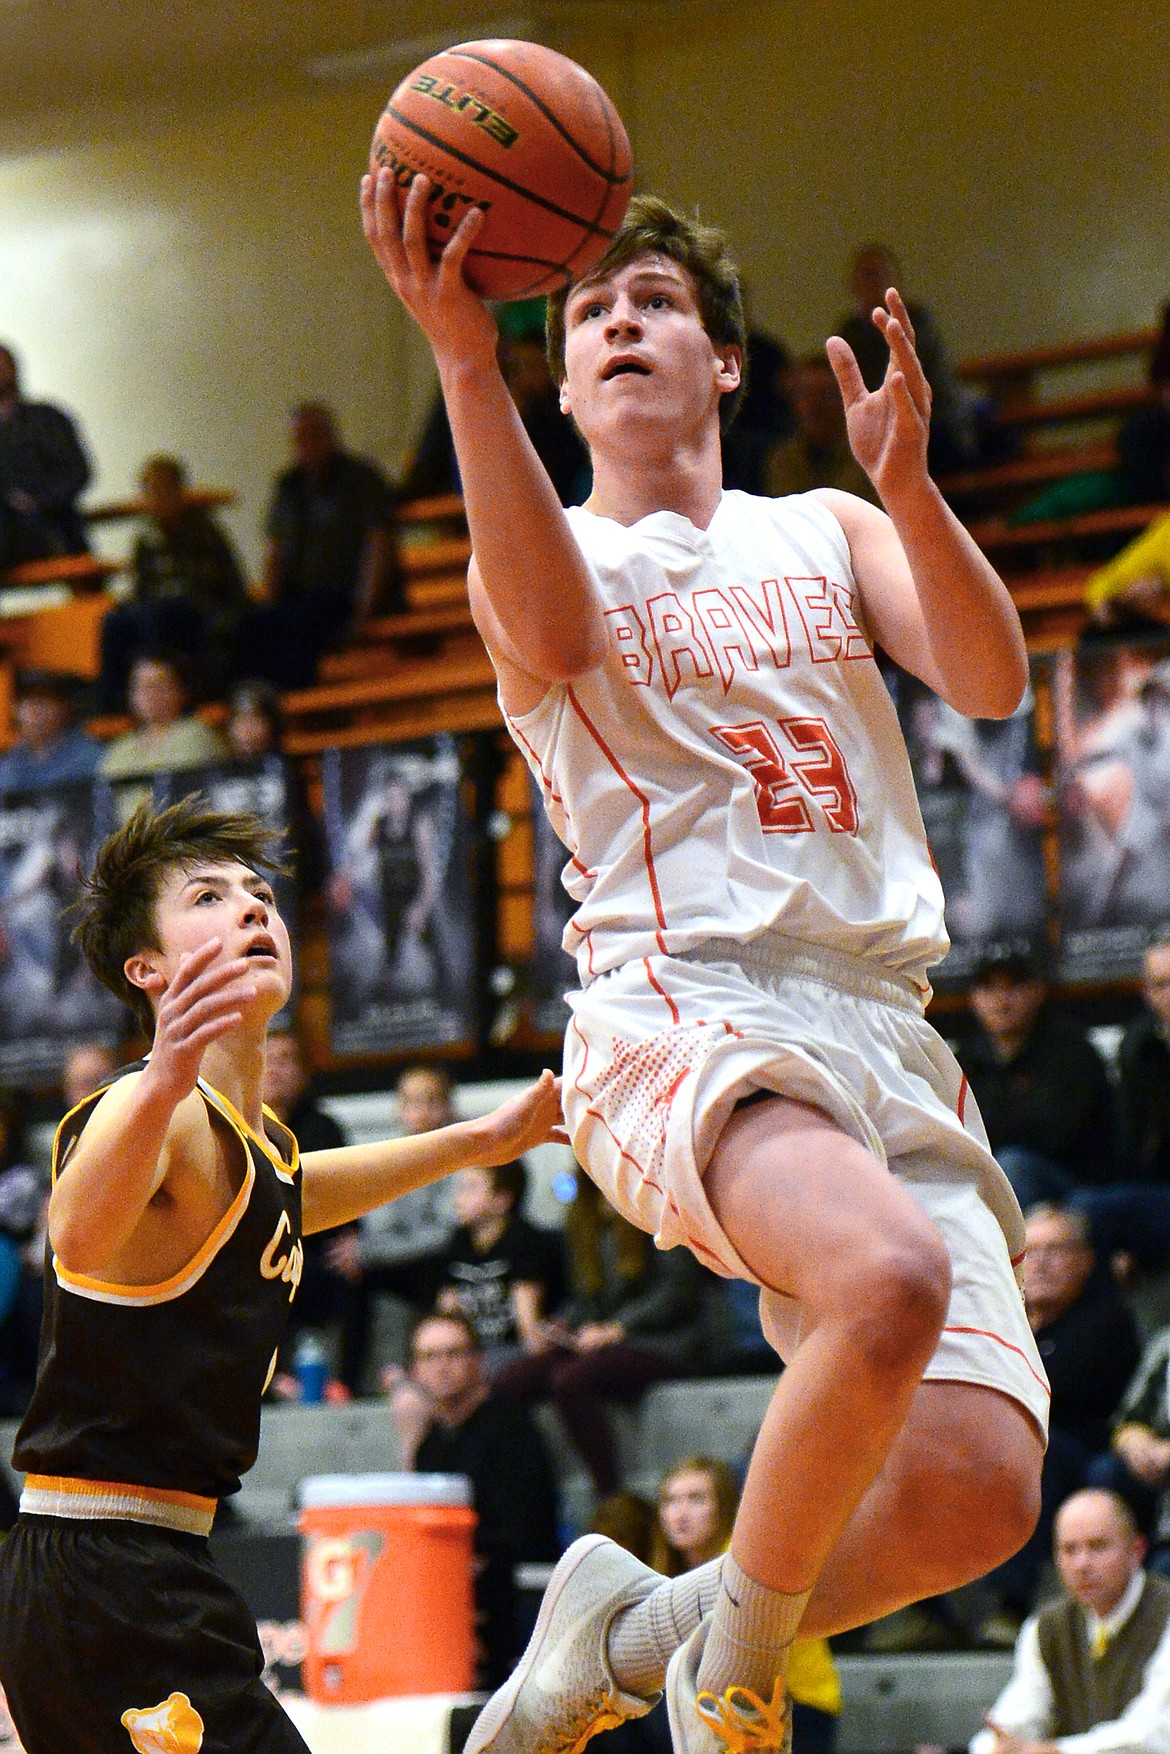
x=337, y=1571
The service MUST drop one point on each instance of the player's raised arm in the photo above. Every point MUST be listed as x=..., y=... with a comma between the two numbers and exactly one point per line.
x=342, y=1184
x=121, y=1160
x=933, y=601
x=531, y=590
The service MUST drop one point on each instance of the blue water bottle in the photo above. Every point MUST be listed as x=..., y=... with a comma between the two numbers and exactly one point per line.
x=311, y=1364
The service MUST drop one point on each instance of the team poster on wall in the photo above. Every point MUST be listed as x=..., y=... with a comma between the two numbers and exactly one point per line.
x=48, y=998
x=984, y=804
x=1111, y=709
x=400, y=841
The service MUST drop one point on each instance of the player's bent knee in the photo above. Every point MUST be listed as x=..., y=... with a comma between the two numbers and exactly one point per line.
x=901, y=1305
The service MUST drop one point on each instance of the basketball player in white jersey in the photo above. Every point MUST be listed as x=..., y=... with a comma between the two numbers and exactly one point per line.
x=748, y=1072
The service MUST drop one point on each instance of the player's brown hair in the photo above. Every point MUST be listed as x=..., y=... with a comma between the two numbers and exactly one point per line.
x=653, y=227
x=115, y=913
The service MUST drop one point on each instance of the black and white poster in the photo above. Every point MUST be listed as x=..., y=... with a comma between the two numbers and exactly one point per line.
x=554, y=971
x=1112, y=721
x=400, y=840
x=984, y=804
x=48, y=997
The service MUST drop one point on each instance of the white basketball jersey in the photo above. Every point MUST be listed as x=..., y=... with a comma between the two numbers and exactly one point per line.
x=735, y=764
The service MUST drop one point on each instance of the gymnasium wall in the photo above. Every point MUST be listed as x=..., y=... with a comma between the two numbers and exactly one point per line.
x=179, y=279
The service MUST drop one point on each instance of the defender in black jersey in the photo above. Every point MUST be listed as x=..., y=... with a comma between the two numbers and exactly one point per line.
x=174, y=1255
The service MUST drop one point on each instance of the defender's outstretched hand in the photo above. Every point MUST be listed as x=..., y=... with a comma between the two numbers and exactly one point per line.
x=451, y=315
x=888, y=427
x=532, y=1117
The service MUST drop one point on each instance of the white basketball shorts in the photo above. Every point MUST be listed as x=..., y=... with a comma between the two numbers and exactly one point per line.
x=659, y=1051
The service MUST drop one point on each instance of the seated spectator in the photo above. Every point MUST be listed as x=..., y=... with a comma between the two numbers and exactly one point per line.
x=167, y=736
x=636, y=1316
x=1042, y=1088
x=1137, y=1463
x=1092, y=1672
x=1087, y=1338
x=873, y=269
x=51, y=749
x=1130, y=1220
x=393, y=1250
x=43, y=469
x=1143, y=443
x=450, y=1422
x=23, y=1200
x=555, y=439
x=764, y=418
x=87, y=1065
x=331, y=559
x=187, y=588
x=696, y=1509
x=321, y=1295
x=817, y=454
x=1131, y=592
x=496, y=1268
x=255, y=723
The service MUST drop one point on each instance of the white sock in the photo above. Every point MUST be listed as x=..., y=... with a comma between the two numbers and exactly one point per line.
x=751, y=1630
x=643, y=1638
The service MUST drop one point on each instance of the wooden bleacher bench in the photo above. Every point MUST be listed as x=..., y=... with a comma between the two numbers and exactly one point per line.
x=993, y=534
x=439, y=509
x=1022, y=474
x=1094, y=405
x=82, y=572
x=1021, y=364
x=116, y=510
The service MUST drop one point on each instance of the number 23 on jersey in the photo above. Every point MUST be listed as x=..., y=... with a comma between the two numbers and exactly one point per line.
x=811, y=767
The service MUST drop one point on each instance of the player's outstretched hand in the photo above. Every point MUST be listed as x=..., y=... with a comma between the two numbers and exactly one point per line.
x=888, y=427
x=204, y=1000
x=453, y=318
x=533, y=1117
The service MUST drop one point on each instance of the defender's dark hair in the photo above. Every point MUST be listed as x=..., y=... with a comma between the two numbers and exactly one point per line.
x=115, y=913
x=653, y=227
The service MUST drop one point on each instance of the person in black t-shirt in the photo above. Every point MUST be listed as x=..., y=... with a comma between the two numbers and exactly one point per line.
x=499, y=1270
x=449, y=1422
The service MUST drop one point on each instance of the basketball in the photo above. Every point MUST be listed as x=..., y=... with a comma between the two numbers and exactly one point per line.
x=524, y=133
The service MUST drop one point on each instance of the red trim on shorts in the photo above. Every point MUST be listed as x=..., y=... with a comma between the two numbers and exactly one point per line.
x=586, y=932
x=964, y=1089
x=643, y=800
x=986, y=1334
x=675, y=1014
x=693, y=1242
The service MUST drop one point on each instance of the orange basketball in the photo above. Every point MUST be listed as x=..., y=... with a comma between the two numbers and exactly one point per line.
x=527, y=135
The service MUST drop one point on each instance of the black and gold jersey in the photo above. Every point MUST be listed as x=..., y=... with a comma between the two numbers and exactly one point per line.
x=147, y=1401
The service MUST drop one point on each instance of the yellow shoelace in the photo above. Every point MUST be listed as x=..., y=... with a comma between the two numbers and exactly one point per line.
x=743, y=1722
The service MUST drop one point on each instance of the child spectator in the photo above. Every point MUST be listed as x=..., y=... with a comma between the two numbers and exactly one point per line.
x=50, y=748
x=499, y=1270
x=166, y=736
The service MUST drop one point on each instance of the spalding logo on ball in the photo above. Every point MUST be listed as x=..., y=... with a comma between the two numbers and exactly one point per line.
x=527, y=135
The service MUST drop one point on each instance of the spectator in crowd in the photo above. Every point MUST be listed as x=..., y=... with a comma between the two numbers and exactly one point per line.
x=450, y=1422
x=51, y=749
x=1143, y=444
x=393, y=1251
x=817, y=454
x=22, y=1217
x=1131, y=592
x=188, y=591
x=635, y=1317
x=953, y=430
x=87, y=1064
x=255, y=722
x=320, y=1299
x=1137, y=1463
x=1042, y=1088
x=1087, y=1338
x=498, y=1269
x=1130, y=1219
x=167, y=736
x=1092, y=1672
x=764, y=418
x=696, y=1508
x=331, y=558
x=43, y=469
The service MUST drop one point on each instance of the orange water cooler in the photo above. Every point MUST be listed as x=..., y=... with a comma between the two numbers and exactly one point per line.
x=386, y=1585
